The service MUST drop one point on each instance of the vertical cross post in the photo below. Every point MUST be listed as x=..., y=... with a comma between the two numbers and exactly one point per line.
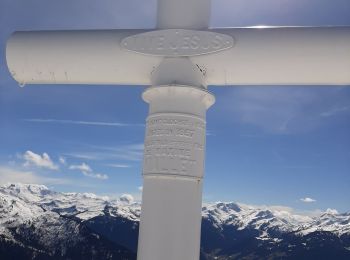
x=183, y=14
x=175, y=146
x=173, y=163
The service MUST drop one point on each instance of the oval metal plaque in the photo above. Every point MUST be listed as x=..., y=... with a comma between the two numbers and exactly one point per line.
x=177, y=42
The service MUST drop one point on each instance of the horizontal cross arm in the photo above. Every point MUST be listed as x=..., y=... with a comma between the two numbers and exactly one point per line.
x=272, y=56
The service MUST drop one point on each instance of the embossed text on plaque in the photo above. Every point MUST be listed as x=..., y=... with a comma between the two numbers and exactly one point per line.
x=174, y=145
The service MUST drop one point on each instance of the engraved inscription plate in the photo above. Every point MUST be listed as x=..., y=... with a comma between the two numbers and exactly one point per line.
x=177, y=42
x=174, y=144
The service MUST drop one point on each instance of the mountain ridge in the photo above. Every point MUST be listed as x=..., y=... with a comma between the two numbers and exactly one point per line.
x=46, y=223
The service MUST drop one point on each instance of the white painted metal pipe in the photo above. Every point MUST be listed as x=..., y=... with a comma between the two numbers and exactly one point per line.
x=282, y=56
x=173, y=168
x=173, y=172
x=77, y=57
x=274, y=56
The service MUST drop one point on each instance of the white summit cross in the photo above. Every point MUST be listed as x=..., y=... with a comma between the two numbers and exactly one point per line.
x=179, y=60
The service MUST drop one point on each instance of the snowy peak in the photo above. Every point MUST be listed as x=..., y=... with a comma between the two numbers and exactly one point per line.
x=25, y=191
x=20, y=203
x=36, y=220
x=272, y=220
x=330, y=221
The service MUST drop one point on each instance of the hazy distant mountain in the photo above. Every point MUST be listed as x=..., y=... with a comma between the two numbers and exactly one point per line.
x=38, y=223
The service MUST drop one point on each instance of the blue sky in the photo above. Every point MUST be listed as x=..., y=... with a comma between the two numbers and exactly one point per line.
x=265, y=145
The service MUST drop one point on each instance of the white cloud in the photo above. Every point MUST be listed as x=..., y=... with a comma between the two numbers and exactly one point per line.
x=281, y=208
x=130, y=152
x=283, y=211
x=140, y=188
x=209, y=133
x=332, y=211
x=81, y=167
x=335, y=111
x=11, y=163
x=284, y=110
x=76, y=122
x=42, y=161
x=62, y=160
x=83, y=156
x=87, y=171
x=127, y=198
x=12, y=175
x=9, y=175
x=307, y=200
x=96, y=175
x=118, y=165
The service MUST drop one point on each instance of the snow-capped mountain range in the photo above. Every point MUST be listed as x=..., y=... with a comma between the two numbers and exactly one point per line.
x=244, y=216
x=46, y=224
